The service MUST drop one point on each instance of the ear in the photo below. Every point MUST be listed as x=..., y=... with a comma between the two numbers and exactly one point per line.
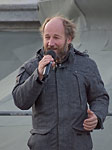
x=69, y=40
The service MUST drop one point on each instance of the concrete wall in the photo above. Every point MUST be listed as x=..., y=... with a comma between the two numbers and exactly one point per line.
x=18, y=15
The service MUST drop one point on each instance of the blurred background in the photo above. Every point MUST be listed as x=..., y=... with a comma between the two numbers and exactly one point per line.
x=19, y=41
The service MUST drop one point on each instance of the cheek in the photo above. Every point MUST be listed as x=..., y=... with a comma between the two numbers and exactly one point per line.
x=60, y=43
x=45, y=43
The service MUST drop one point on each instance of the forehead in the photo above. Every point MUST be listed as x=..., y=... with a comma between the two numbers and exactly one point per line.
x=54, y=26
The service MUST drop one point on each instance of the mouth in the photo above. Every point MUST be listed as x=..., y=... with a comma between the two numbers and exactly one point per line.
x=54, y=49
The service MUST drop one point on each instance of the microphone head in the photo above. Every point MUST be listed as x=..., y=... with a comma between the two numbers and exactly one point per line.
x=52, y=53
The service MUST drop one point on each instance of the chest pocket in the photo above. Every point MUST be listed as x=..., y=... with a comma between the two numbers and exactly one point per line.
x=82, y=84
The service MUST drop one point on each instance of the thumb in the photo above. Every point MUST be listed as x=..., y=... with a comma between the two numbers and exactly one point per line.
x=90, y=113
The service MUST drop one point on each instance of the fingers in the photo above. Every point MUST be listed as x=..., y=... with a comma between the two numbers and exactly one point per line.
x=45, y=60
x=91, y=122
x=89, y=128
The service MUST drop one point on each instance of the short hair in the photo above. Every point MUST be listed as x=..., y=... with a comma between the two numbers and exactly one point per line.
x=69, y=26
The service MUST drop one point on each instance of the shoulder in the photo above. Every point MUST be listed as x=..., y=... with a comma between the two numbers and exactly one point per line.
x=84, y=61
x=81, y=58
x=79, y=53
x=28, y=66
x=31, y=64
x=84, y=56
x=35, y=58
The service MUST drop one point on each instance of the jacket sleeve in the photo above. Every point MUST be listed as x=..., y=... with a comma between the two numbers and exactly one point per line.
x=98, y=97
x=28, y=87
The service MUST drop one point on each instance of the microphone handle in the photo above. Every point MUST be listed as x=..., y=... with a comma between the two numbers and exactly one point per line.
x=47, y=69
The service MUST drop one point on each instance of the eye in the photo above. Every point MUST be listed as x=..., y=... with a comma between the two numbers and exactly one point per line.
x=47, y=37
x=56, y=37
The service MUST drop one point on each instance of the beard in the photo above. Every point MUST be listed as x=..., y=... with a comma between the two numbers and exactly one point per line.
x=60, y=52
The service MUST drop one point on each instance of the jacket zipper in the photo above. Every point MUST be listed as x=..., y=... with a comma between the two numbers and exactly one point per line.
x=57, y=109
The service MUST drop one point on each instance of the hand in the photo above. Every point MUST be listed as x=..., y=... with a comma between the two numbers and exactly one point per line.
x=45, y=60
x=91, y=122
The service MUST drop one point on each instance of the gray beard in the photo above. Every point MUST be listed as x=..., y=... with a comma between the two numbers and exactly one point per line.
x=62, y=54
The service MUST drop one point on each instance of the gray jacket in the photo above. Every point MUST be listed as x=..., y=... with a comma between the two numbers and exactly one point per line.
x=59, y=103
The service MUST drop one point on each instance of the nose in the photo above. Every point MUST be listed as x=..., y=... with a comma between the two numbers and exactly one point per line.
x=51, y=42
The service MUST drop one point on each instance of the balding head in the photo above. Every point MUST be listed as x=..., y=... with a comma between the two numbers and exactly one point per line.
x=69, y=26
x=55, y=21
x=55, y=25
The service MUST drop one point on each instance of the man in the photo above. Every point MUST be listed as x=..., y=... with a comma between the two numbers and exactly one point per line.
x=60, y=114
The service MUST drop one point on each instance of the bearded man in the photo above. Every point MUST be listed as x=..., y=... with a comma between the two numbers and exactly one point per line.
x=64, y=88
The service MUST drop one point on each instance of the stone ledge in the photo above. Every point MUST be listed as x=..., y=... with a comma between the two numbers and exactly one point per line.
x=20, y=26
x=18, y=7
x=19, y=14
x=19, y=10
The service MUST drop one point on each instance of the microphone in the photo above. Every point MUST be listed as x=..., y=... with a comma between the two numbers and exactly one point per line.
x=48, y=66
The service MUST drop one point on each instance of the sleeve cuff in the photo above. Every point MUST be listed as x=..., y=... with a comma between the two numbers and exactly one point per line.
x=36, y=77
x=99, y=124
